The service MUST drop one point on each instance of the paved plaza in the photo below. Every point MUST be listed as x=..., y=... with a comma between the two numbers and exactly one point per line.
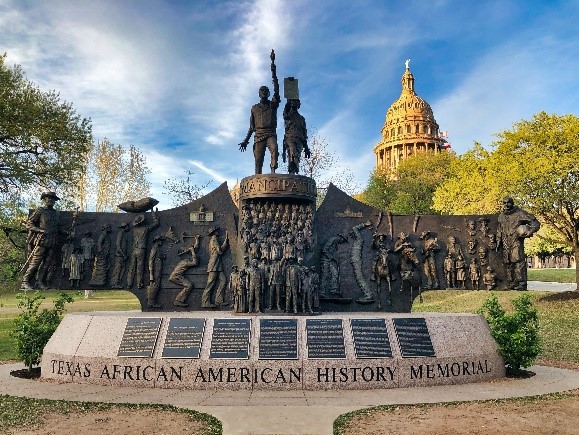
x=288, y=412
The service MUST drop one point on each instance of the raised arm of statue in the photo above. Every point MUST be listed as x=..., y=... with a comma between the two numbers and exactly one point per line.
x=276, y=97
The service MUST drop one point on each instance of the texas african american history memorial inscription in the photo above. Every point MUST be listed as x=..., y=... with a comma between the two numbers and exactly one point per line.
x=272, y=292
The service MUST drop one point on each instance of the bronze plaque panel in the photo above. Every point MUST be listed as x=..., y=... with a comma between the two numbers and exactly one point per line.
x=139, y=337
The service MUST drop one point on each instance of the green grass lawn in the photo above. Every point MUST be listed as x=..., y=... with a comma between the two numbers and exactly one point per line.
x=551, y=275
x=103, y=300
x=559, y=319
x=7, y=351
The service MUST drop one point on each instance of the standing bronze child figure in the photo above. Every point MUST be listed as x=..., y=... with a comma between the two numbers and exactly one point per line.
x=263, y=122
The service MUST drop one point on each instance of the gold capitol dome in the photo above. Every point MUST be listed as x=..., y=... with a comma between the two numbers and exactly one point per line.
x=409, y=128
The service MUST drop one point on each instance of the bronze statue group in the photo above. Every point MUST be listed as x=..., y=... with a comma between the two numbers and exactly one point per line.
x=275, y=238
x=257, y=286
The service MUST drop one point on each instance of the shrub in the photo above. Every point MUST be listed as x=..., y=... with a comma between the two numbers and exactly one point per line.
x=516, y=333
x=33, y=327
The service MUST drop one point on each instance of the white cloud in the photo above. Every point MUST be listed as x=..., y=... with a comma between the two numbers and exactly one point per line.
x=178, y=80
x=107, y=71
x=214, y=174
x=514, y=81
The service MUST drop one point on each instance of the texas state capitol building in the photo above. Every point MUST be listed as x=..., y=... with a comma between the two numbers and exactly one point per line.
x=409, y=128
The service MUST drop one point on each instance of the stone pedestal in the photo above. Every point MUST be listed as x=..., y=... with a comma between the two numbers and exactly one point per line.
x=213, y=350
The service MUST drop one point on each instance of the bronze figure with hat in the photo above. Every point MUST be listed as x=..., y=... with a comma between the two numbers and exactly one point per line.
x=43, y=239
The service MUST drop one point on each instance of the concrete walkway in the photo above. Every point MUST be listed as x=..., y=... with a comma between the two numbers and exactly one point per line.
x=288, y=412
x=558, y=287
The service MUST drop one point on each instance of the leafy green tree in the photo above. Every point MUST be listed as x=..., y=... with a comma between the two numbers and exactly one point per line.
x=380, y=191
x=42, y=139
x=546, y=243
x=410, y=188
x=12, y=239
x=470, y=187
x=537, y=163
x=34, y=327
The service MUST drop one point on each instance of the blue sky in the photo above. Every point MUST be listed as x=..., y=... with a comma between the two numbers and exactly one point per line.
x=178, y=78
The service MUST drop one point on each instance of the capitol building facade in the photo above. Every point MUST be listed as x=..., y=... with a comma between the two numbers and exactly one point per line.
x=410, y=128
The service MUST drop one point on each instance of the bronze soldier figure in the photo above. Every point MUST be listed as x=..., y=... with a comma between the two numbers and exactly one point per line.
x=43, y=239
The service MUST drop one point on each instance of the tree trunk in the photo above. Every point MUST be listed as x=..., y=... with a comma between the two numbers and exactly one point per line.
x=576, y=252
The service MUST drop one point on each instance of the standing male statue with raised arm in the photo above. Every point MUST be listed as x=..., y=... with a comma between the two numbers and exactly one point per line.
x=263, y=124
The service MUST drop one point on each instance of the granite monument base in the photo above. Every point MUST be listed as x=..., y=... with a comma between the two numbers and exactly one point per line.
x=215, y=350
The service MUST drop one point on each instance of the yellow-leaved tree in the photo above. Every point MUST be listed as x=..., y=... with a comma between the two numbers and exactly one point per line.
x=536, y=162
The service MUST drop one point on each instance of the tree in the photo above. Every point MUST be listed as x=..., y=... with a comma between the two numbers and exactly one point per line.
x=320, y=160
x=537, y=163
x=410, y=188
x=546, y=243
x=42, y=139
x=380, y=191
x=183, y=191
x=470, y=187
x=323, y=166
x=12, y=239
x=114, y=175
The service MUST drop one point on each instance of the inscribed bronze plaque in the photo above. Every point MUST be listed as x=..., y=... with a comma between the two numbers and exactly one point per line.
x=413, y=337
x=184, y=337
x=230, y=338
x=139, y=337
x=325, y=339
x=371, y=338
x=278, y=339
